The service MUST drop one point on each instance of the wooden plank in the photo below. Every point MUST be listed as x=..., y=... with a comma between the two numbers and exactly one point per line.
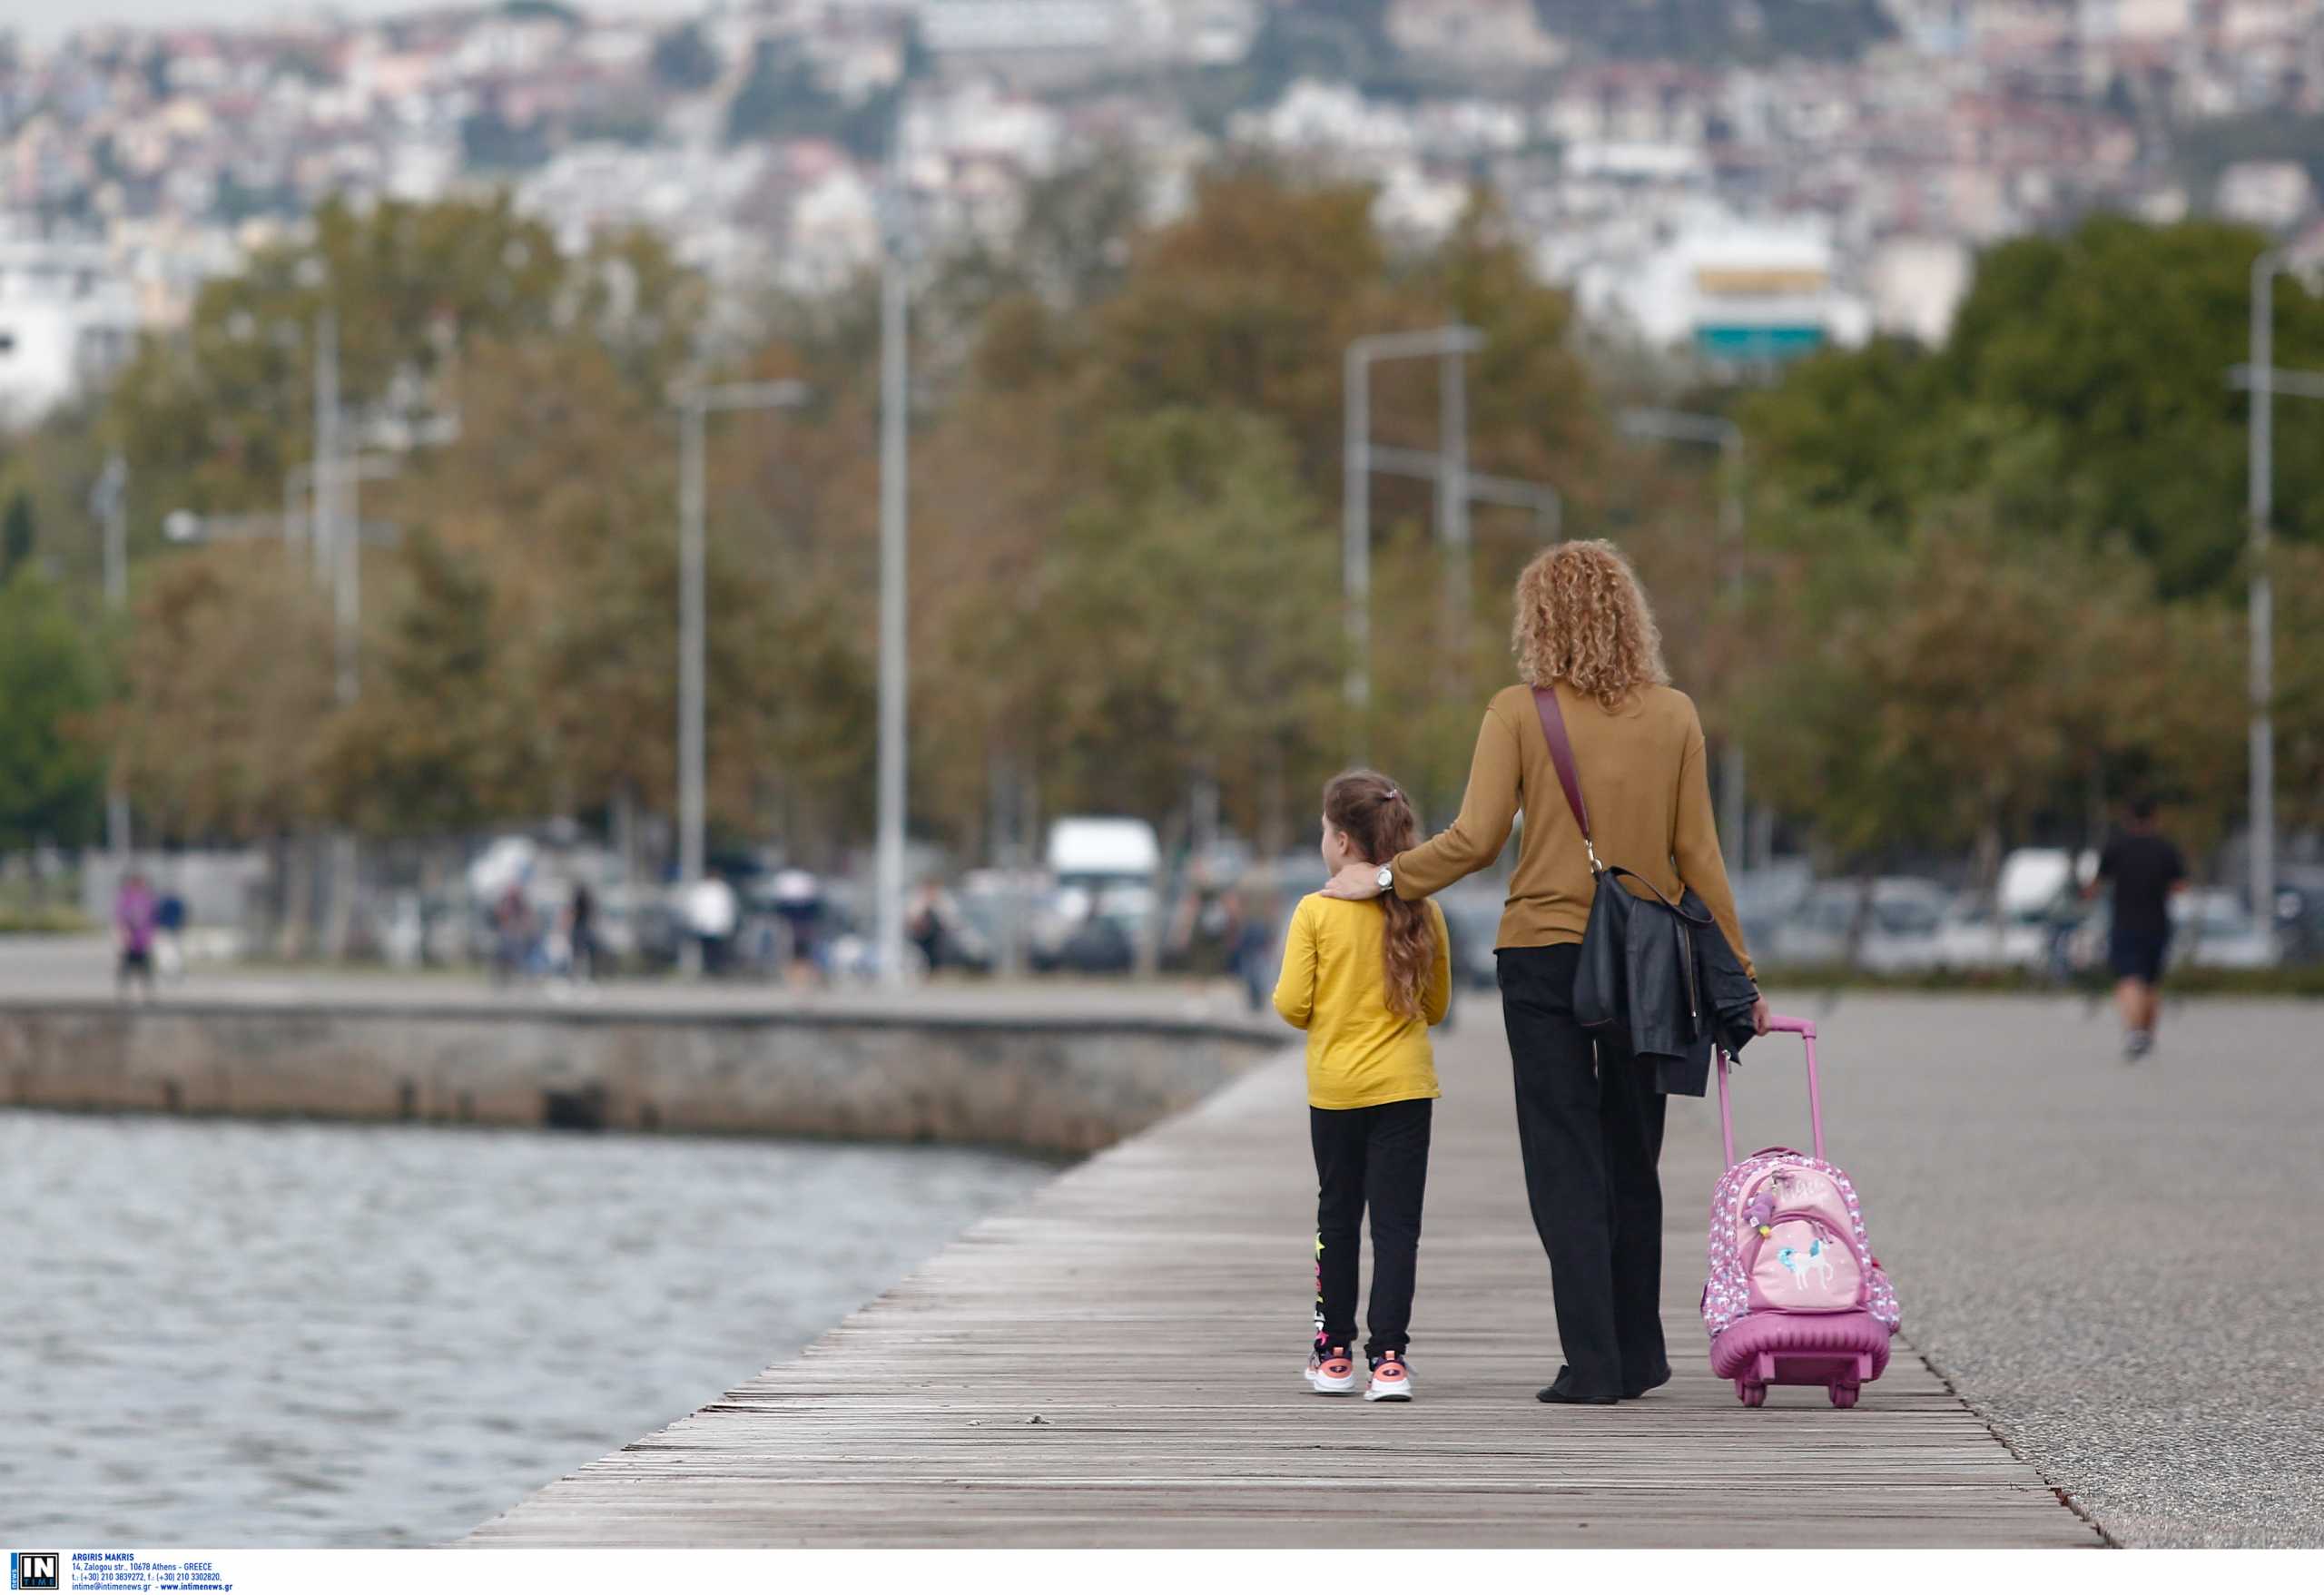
x=1151, y=1309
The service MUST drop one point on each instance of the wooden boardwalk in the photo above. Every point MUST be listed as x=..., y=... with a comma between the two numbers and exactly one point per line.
x=1117, y=1363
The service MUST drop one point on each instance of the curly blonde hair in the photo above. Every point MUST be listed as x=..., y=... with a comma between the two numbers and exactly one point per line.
x=1583, y=619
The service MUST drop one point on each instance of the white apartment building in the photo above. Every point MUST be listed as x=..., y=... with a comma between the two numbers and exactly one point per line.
x=68, y=320
x=1733, y=291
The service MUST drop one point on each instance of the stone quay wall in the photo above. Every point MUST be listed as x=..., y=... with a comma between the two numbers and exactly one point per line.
x=1042, y=1084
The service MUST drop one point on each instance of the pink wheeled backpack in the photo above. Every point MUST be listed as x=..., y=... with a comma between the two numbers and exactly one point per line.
x=1795, y=1295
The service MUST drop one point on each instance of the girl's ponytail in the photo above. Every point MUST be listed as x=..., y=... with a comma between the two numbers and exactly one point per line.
x=1379, y=819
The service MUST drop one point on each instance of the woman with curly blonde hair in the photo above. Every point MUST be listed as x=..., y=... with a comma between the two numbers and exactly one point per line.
x=1588, y=1117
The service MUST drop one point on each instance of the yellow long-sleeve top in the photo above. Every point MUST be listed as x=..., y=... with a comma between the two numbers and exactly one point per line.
x=1334, y=987
x=1641, y=769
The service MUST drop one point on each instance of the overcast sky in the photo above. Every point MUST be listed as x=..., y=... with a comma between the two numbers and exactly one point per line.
x=45, y=20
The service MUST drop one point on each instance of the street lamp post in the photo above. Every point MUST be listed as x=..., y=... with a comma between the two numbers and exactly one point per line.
x=1692, y=427
x=1452, y=497
x=2261, y=467
x=1544, y=500
x=298, y=483
x=1449, y=344
x=2265, y=381
x=695, y=403
x=895, y=465
x=111, y=501
x=323, y=473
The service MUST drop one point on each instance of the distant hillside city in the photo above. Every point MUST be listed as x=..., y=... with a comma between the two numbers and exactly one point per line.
x=1742, y=179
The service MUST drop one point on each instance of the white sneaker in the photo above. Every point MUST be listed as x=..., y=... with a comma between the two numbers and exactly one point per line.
x=1391, y=1380
x=1331, y=1370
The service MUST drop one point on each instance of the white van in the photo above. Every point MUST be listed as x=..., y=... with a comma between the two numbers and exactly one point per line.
x=1106, y=872
x=1090, y=851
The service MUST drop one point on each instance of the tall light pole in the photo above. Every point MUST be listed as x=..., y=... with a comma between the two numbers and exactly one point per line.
x=109, y=499
x=338, y=562
x=298, y=483
x=347, y=573
x=2262, y=467
x=895, y=464
x=1449, y=344
x=1692, y=426
x=331, y=526
x=694, y=403
x=323, y=474
x=1453, y=498
x=2266, y=381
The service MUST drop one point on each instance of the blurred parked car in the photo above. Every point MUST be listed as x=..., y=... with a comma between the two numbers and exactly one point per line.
x=997, y=906
x=401, y=933
x=637, y=928
x=1472, y=920
x=2211, y=930
x=2300, y=912
x=2029, y=922
x=1769, y=895
x=1975, y=935
x=448, y=937
x=1899, y=930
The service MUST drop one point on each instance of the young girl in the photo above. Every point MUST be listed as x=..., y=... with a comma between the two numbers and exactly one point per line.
x=1365, y=981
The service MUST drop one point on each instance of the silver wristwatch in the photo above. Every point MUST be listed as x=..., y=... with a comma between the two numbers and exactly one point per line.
x=1386, y=879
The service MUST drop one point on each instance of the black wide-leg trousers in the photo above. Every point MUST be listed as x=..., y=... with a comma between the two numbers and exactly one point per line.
x=1589, y=1128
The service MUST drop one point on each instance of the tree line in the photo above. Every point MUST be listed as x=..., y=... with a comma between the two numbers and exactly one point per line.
x=2005, y=581
x=1988, y=587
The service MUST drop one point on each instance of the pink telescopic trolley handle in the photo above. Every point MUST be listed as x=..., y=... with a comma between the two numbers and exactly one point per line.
x=1806, y=1031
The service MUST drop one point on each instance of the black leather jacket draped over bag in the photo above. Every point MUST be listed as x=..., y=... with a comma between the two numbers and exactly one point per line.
x=1663, y=974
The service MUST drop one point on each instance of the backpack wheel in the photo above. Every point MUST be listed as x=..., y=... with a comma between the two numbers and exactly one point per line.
x=1844, y=1393
x=1751, y=1393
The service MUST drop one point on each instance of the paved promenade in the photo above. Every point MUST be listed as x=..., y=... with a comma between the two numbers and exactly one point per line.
x=1117, y=1362
x=2122, y=1266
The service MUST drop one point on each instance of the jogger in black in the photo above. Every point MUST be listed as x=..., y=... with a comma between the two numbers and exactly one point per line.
x=1590, y=1129
x=1374, y=1158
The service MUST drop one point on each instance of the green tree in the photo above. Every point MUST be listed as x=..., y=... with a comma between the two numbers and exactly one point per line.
x=51, y=686
x=2083, y=392
x=213, y=418
x=229, y=694
x=435, y=745
x=1958, y=688
x=1000, y=466
x=1201, y=574
x=545, y=505
x=556, y=513
x=631, y=295
x=1246, y=303
x=17, y=533
x=2299, y=685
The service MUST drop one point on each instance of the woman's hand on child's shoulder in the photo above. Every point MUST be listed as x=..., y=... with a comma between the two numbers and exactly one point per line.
x=1355, y=882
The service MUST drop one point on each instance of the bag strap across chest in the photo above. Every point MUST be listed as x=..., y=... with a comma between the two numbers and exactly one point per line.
x=1553, y=731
